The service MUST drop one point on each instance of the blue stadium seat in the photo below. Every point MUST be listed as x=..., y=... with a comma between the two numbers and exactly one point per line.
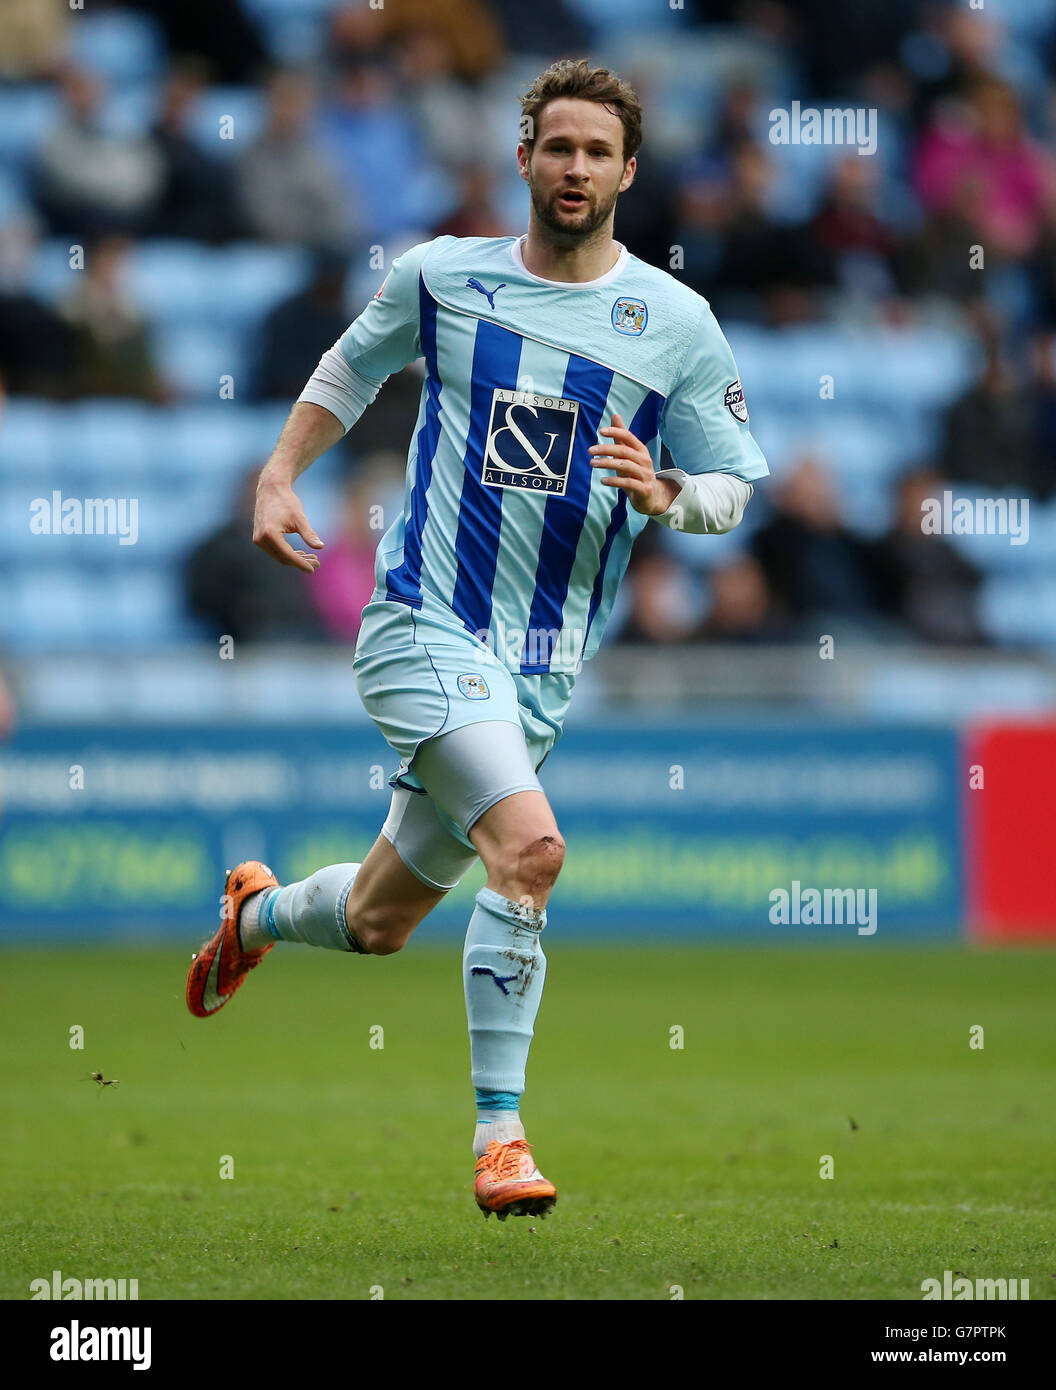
x=122, y=46
x=193, y=358
x=28, y=111
x=14, y=194
x=178, y=281
x=251, y=279
x=1019, y=611
x=107, y=435
x=245, y=105
x=27, y=439
x=215, y=441
x=175, y=515
x=49, y=606
x=50, y=276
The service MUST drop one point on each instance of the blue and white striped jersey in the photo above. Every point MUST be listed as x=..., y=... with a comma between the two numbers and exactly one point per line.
x=506, y=531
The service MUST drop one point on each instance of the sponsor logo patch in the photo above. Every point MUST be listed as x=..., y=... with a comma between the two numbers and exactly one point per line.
x=735, y=403
x=473, y=686
x=529, y=444
x=629, y=316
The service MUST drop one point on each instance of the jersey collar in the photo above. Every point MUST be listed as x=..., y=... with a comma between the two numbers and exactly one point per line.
x=607, y=278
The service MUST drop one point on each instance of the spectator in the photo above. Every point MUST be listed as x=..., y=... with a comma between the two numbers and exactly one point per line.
x=475, y=215
x=36, y=347
x=36, y=343
x=982, y=152
x=1043, y=352
x=817, y=568
x=298, y=331
x=7, y=711
x=344, y=582
x=196, y=196
x=391, y=418
x=925, y=582
x=34, y=38
x=217, y=30
x=848, y=227
x=758, y=266
x=89, y=182
x=368, y=132
x=240, y=592
x=742, y=606
x=468, y=28
x=111, y=346
x=288, y=189
x=663, y=602
x=989, y=435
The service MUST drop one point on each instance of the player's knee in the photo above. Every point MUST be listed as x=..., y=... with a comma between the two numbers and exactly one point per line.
x=380, y=931
x=533, y=867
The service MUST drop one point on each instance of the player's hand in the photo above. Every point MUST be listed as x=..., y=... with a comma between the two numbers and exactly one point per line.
x=278, y=513
x=632, y=466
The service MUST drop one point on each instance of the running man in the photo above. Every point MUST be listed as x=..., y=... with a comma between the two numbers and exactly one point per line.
x=556, y=362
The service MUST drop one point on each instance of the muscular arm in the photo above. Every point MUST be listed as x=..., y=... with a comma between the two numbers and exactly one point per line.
x=308, y=432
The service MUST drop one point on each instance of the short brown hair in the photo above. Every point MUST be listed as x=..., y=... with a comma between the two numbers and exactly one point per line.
x=574, y=77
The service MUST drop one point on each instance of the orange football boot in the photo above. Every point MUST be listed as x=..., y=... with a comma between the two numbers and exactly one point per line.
x=509, y=1184
x=221, y=965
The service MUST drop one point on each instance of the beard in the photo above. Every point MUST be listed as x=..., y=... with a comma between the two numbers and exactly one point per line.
x=571, y=230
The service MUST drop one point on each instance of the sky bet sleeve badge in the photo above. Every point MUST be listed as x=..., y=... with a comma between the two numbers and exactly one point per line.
x=735, y=403
x=630, y=316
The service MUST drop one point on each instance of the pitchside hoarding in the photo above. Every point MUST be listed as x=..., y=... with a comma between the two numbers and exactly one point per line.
x=837, y=833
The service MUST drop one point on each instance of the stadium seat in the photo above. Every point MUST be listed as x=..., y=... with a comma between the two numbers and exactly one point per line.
x=195, y=358
x=1019, y=611
x=246, y=108
x=27, y=438
x=181, y=282
x=28, y=111
x=123, y=46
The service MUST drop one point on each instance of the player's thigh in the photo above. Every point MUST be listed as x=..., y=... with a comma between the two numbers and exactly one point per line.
x=416, y=860
x=483, y=782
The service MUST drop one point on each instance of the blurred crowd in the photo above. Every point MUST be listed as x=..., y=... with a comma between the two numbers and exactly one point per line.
x=383, y=126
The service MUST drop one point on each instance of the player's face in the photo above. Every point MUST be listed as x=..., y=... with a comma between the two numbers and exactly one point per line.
x=576, y=170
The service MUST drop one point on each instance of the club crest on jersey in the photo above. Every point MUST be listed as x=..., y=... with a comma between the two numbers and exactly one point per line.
x=629, y=316
x=473, y=686
x=529, y=442
x=735, y=403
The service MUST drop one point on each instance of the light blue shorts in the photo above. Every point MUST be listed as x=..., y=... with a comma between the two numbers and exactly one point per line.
x=419, y=680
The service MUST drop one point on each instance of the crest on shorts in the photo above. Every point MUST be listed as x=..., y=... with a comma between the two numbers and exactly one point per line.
x=629, y=316
x=473, y=686
x=735, y=403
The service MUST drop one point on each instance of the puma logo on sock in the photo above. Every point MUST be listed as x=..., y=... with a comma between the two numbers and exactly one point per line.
x=501, y=980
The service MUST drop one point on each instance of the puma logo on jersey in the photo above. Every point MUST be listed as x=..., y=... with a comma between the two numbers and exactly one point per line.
x=489, y=295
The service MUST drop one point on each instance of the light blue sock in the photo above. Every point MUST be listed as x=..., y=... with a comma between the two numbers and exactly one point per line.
x=498, y=1118
x=503, y=969
x=312, y=911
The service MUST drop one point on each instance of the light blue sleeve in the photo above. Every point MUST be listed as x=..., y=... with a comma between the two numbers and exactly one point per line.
x=385, y=336
x=704, y=421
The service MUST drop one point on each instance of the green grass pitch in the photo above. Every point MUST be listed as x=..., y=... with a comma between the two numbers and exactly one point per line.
x=693, y=1169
